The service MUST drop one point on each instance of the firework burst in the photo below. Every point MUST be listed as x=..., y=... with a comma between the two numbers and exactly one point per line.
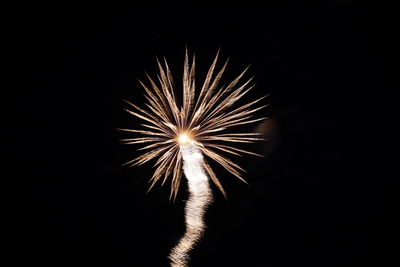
x=178, y=137
x=202, y=120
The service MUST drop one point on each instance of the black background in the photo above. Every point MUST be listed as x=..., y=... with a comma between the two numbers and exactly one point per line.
x=320, y=197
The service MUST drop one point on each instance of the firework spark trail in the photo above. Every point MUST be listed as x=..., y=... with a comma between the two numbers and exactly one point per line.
x=199, y=198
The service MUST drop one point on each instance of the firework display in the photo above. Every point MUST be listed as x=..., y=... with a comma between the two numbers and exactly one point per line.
x=177, y=137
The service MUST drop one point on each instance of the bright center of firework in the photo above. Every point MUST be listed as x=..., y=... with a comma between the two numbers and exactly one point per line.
x=183, y=139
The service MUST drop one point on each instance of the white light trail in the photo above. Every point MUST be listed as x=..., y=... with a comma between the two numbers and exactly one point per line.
x=200, y=197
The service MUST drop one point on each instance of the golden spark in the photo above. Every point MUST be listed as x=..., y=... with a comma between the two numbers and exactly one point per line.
x=202, y=120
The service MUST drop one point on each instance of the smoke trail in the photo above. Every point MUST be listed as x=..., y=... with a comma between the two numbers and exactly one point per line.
x=199, y=198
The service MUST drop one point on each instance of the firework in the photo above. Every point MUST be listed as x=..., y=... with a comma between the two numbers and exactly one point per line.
x=177, y=136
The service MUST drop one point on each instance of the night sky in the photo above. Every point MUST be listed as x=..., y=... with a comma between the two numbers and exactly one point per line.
x=320, y=197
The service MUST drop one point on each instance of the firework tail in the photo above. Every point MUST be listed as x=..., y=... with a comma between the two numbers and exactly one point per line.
x=200, y=197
